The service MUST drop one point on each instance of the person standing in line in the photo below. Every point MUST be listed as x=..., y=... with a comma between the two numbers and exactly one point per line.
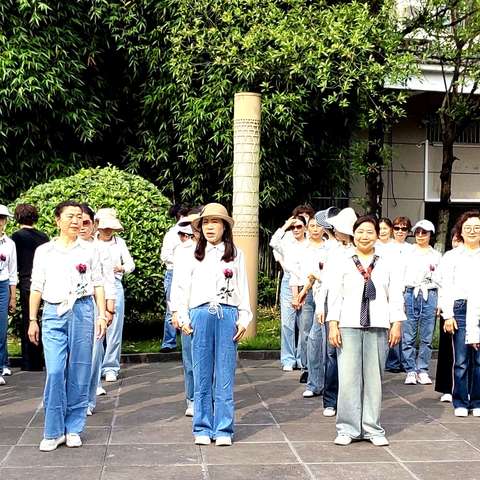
x=123, y=264
x=443, y=375
x=67, y=275
x=421, y=300
x=170, y=242
x=8, y=289
x=87, y=231
x=365, y=312
x=213, y=303
x=189, y=237
x=399, y=248
x=316, y=341
x=26, y=240
x=459, y=269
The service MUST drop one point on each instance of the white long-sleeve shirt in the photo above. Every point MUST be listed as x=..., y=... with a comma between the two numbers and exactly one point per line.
x=280, y=243
x=56, y=275
x=421, y=265
x=107, y=265
x=171, y=241
x=8, y=266
x=120, y=255
x=458, y=270
x=346, y=291
x=196, y=283
x=185, y=249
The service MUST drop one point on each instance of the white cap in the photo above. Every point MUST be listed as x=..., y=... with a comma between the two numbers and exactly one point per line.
x=4, y=212
x=425, y=224
x=186, y=229
x=343, y=222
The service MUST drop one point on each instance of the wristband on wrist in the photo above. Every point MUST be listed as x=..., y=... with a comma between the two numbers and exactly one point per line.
x=33, y=320
x=101, y=317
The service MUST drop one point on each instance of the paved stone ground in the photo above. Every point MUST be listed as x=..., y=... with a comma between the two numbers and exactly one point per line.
x=139, y=432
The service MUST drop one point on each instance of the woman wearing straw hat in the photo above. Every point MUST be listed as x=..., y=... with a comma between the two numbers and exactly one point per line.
x=108, y=225
x=67, y=275
x=8, y=288
x=212, y=302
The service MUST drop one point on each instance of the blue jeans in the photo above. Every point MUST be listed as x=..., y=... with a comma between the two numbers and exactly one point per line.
x=316, y=358
x=330, y=391
x=214, y=355
x=169, y=331
x=361, y=361
x=466, y=392
x=288, y=317
x=395, y=358
x=187, y=366
x=305, y=320
x=421, y=318
x=113, y=338
x=4, y=299
x=67, y=344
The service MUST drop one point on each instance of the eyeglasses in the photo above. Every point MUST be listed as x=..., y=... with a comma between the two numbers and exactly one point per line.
x=400, y=229
x=470, y=229
x=297, y=227
x=86, y=223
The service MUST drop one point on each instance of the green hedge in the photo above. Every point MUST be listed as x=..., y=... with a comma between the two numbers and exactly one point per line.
x=141, y=208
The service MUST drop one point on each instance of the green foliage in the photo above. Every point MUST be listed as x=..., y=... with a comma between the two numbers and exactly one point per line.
x=142, y=210
x=267, y=290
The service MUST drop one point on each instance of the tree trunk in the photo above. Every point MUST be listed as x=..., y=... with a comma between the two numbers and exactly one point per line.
x=374, y=162
x=448, y=134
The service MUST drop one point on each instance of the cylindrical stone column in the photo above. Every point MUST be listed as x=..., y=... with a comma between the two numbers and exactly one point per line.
x=246, y=180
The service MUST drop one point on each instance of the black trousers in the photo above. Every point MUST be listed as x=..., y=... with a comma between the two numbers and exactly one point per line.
x=32, y=356
x=444, y=374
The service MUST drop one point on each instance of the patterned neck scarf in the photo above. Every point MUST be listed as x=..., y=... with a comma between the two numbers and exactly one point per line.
x=369, y=292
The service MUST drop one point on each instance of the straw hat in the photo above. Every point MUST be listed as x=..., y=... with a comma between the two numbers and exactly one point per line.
x=4, y=212
x=215, y=210
x=108, y=219
x=343, y=222
x=322, y=216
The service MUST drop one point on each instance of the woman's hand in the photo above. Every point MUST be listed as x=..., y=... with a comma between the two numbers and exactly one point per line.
x=34, y=332
x=240, y=332
x=302, y=295
x=118, y=269
x=320, y=318
x=334, y=336
x=450, y=326
x=187, y=329
x=175, y=320
x=394, y=334
x=295, y=303
x=12, y=305
x=101, y=328
x=288, y=224
x=109, y=316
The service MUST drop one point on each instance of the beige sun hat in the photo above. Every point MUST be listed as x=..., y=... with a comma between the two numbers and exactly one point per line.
x=343, y=222
x=108, y=219
x=215, y=210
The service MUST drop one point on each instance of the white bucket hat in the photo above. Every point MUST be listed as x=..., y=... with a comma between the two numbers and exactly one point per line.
x=108, y=219
x=343, y=222
x=4, y=212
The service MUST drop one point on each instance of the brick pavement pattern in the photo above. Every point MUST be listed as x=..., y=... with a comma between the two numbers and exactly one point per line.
x=139, y=432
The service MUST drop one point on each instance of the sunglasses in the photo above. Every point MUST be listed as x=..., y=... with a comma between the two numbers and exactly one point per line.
x=297, y=227
x=421, y=231
x=400, y=229
x=86, y=223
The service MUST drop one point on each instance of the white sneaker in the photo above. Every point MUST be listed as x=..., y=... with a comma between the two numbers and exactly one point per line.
x=223, y=442
x=379, y=441
x=424, y=379
x=476, y=412
x=110, y=377
x=6, y=372
x=287, y=368
x=460, y=412
x=2, y=381
x=73, y=440
x=446, y=397
x=411, y=378
x=189, y=412
x=331, y=412
x=89, y=412
x=343, y=440
x=101, y=391
x=50, y=444
x=308, y=394
x=202, y=440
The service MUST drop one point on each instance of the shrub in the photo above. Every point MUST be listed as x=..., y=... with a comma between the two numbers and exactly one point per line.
x=267, y=290
x=141, y=208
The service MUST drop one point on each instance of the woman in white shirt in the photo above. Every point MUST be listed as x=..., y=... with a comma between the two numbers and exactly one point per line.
x=459, y=268
x=365, y=310
x=8, y=288
x=210, y=289
x=421, y=298
x=108, y=227
x=67, y=275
